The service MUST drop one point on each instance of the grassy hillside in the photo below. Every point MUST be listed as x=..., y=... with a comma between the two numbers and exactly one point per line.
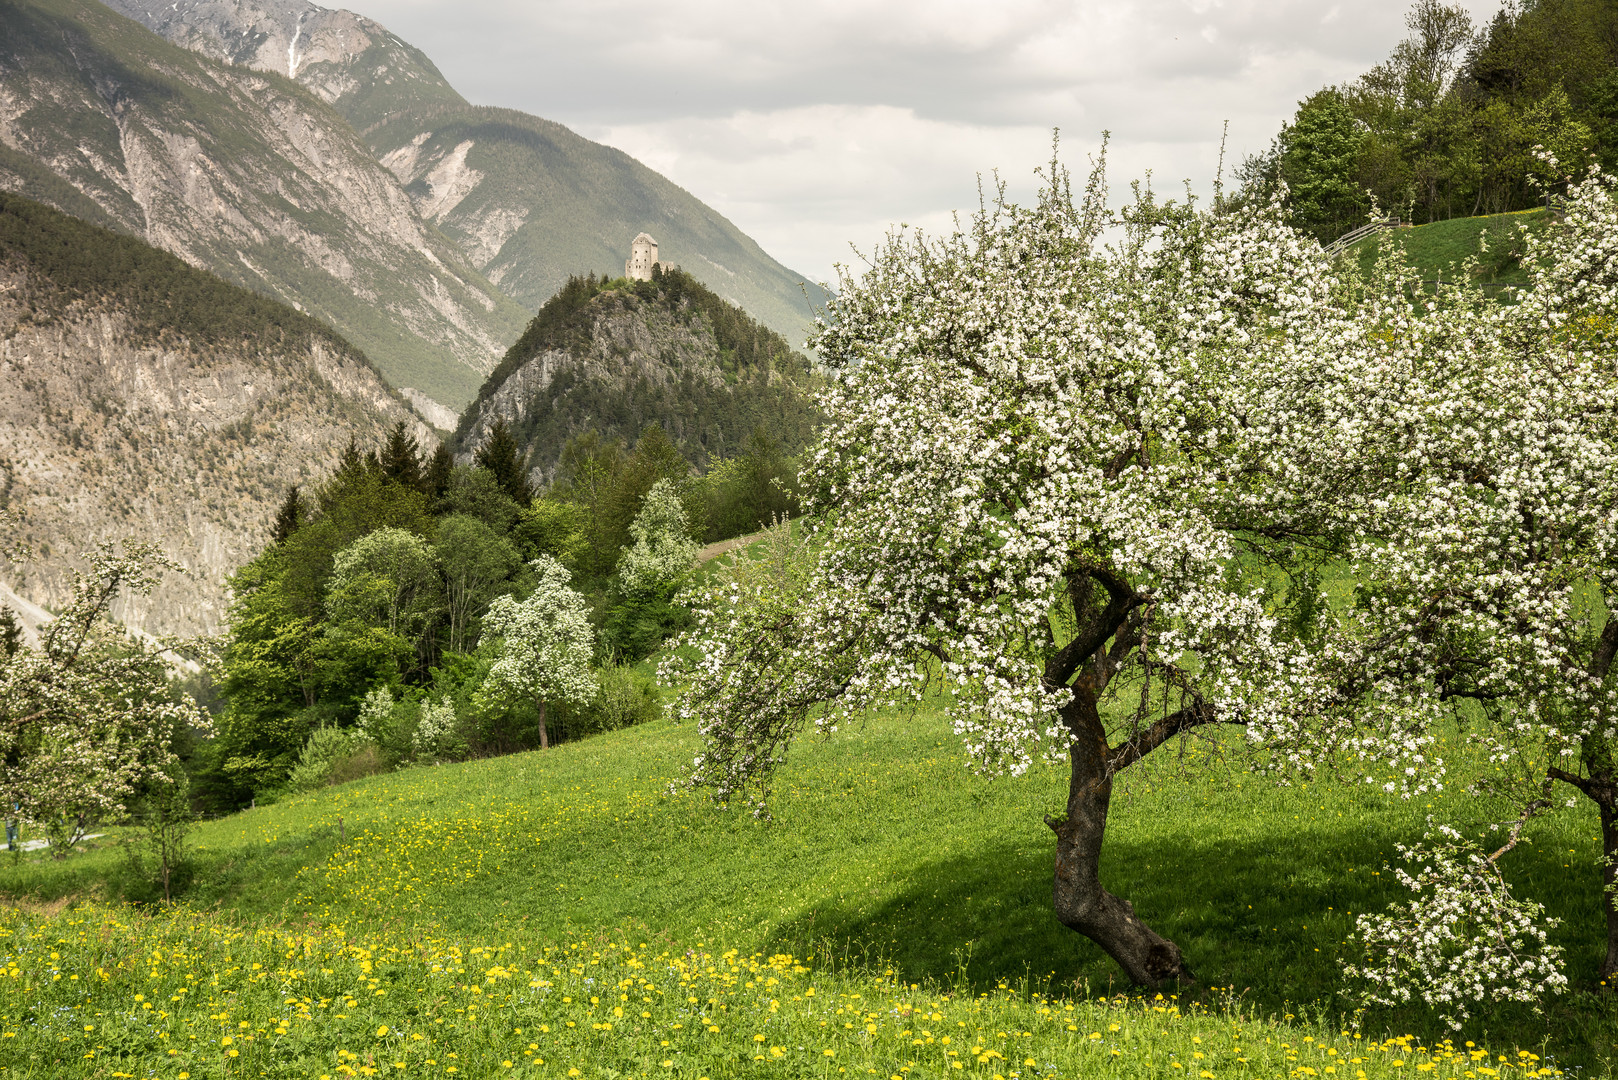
x=533, y=875
x=1438, y=250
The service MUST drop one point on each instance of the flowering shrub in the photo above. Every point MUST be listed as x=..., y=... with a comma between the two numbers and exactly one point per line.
x=663, y=549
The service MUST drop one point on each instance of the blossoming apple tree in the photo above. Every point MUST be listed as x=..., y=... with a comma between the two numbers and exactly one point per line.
x=1070, y=470
x=543, y=645
x=1487, y=566
x=1094, y=488
x=87, y=718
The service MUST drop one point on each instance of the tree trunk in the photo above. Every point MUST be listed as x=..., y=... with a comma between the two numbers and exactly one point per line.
x=1609, y=881
x=544, y=739
x=1081, y=903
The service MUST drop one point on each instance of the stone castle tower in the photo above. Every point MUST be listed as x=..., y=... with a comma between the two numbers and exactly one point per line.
x=642, y=257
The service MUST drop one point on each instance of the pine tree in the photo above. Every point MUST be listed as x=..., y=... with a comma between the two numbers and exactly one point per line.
x=10, y=633
x=500, y=455
x=401, y=459
x=436, y=484
x=288, y=518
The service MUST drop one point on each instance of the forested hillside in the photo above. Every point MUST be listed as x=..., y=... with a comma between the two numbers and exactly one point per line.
x=139, y=396
x=608, y=357
x=1457, y=121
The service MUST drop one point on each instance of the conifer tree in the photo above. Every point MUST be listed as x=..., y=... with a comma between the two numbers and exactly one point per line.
x=439, y=469
x=288, y=518
x=401, y=458
x=10, y=633
x=500, y=455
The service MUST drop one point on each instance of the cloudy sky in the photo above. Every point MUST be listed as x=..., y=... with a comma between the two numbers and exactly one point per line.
x=817, y=124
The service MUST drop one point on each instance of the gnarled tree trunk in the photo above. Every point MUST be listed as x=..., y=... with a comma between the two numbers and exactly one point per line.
x=1081, y=903
x=1609, y=881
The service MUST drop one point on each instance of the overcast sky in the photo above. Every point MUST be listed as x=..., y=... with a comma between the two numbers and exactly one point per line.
x=819, y=123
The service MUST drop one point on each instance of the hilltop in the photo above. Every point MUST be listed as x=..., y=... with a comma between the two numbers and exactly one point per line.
x=612, y=356
x=141, y=397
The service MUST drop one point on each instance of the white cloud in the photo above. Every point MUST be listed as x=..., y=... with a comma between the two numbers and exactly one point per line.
x=815, y=123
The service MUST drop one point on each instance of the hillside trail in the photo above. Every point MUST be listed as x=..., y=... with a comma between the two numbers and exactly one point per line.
x=725, y=547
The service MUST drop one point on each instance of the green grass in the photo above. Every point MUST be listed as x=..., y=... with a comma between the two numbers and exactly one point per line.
x=884, y=857
x=1438, y=250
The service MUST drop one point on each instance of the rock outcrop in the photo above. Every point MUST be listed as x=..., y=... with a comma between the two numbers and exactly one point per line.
x=117, y=421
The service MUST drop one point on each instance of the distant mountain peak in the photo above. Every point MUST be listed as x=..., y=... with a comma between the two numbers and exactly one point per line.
x=528, y=200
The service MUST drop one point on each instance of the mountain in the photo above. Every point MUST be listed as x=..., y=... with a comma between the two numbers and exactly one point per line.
x=139, y=396
x=614, y=356
x=244, y=173
x=529, y=201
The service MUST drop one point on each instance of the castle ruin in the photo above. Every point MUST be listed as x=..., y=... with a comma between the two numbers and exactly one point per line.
x=642, y=257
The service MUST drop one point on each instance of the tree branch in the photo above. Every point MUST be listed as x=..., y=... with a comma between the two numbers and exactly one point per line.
x=1165, y=728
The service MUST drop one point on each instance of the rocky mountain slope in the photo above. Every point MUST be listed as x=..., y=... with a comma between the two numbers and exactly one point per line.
x=529, y=201
x=245, y=173
x=614, y=356
x=140, y=397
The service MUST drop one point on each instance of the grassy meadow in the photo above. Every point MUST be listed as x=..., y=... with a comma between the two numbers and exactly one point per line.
x=564, y=913
x=1437, y=250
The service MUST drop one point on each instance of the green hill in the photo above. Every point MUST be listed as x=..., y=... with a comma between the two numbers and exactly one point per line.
x=462, y=902
x=1438, y=250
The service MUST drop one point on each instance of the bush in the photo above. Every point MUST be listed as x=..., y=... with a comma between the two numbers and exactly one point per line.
x=624, y=699
x=330, y=757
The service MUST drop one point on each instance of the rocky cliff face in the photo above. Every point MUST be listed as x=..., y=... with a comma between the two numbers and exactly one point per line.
x=110, y=430
x=242, y=173
x=526, y=199
x=613, y=358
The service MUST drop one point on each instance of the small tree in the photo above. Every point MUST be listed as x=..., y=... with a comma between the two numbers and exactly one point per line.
x=663, y=549
x=543, y=646
x=88, y=718
x=289, y=517
x=165, y=816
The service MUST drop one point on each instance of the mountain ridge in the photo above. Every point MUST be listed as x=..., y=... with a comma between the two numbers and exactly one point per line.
x=246, y=174
x=530, y=201
x=140, y=396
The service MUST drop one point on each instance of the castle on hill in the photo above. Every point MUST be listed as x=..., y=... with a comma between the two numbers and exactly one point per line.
x=642, y=259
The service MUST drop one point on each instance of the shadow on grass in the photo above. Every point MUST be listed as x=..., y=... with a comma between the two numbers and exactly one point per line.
x=1271, y=925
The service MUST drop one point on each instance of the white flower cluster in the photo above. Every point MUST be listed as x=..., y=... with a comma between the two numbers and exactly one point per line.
x=376, y=713
x=662, y=548
x=436, y=727
x=1461, y=940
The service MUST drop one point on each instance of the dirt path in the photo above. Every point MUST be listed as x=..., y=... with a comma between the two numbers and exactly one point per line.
x=725, y=547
